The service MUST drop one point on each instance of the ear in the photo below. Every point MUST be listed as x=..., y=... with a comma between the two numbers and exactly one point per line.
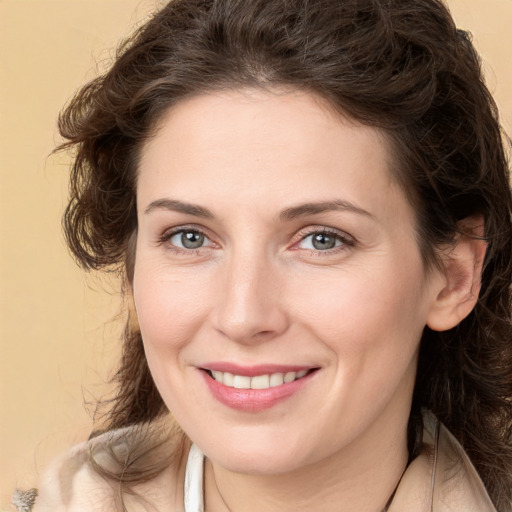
x=133, y=321
x=461, y=275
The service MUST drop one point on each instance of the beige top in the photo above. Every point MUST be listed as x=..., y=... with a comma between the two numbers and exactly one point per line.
x=440, y=479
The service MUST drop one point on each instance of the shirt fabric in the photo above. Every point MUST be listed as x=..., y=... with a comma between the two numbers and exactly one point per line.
x=440, y=479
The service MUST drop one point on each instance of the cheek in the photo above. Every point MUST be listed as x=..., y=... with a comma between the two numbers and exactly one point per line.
x=366, y=308
x=170, y=308
x=170, y=311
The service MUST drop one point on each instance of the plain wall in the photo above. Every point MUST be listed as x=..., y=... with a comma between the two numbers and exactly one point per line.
x=58, y=332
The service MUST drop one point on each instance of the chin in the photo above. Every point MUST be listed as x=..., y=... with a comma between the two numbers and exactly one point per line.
x=269, y=457
x=260, y=464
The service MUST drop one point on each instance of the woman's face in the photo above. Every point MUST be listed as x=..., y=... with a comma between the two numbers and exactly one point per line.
x=275, y=252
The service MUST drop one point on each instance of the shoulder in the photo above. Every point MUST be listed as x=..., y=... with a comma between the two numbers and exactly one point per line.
x=458, y=486
x=88, y=476
x=441, y=478
x=71, y=484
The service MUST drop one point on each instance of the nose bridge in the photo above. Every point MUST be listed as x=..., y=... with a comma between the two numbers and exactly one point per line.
x=249, y=305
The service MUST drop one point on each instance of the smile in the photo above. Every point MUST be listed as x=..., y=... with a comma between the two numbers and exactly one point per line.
x=257, y=388
x=269, y=380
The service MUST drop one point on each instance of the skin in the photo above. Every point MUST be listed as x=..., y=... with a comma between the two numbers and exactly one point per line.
x=259, y=292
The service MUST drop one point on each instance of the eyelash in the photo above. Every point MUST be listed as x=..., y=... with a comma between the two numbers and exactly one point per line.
x=345, y=240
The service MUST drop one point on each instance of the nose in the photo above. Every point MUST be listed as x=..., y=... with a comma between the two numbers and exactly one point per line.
x=249, y=307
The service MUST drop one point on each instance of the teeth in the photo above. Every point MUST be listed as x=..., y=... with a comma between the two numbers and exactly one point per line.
x=290, y=376
x=259, y=381
x=241, y=382
x=276, y=379
x=218, y=376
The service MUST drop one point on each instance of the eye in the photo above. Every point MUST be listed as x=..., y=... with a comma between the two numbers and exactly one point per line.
x=323, y=241
x=189, y=239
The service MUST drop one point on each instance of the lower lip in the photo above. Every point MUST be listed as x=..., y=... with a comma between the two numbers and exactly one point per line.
x=254, y=400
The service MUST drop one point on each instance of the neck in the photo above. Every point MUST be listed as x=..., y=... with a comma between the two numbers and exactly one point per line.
x=358, y=480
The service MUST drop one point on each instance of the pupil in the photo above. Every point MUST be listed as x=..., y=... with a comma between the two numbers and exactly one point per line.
x=192, y=240
x=322, y=241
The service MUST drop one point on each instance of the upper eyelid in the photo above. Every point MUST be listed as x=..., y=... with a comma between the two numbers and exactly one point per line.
x=308, y=231
x=185, y=227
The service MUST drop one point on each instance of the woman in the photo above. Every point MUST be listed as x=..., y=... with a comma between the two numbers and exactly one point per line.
x=309, y=203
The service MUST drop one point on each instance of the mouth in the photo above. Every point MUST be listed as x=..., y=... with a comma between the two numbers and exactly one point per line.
x=258, y=382
x=256, y=388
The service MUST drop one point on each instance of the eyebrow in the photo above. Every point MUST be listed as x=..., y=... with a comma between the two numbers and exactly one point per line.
x=179, y=206
x=291, y=213
x=306, y=209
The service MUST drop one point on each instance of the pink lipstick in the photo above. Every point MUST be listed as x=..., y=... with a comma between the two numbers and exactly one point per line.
x=255, y=388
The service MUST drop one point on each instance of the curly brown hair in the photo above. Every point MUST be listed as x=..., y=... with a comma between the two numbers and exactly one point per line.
x=400, y=65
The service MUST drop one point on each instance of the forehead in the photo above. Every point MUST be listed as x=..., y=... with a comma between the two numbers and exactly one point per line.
x=249, y=144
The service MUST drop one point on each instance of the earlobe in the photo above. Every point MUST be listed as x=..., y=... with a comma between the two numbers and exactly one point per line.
x=462, y=272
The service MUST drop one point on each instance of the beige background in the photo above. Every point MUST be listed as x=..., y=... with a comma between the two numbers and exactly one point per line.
x=58, y=332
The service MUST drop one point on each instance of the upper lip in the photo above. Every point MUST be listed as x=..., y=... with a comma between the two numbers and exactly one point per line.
x=254, y=370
